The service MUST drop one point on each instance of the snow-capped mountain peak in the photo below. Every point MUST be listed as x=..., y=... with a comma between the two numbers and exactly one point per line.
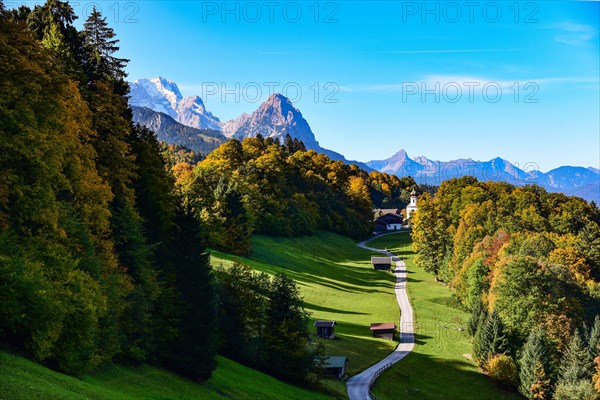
x=162, y=95
x=168, y=89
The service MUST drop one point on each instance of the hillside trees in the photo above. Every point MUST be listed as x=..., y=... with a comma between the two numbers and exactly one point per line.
x=264, y=323
x=530, y=258
x=98, y=261
x=261, y=186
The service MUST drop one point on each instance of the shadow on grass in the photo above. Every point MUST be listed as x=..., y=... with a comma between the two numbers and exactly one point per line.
x=315, y=307
x=422, y=377
x=351, y=271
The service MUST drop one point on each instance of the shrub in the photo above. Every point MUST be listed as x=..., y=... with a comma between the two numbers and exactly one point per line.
x=502, y=368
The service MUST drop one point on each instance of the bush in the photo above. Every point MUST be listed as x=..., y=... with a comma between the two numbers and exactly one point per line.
x=502, y=368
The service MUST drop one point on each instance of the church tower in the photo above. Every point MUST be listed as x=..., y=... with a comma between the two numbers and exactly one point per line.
x=412, y=206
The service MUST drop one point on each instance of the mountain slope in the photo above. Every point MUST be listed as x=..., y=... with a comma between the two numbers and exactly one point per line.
x=275, y=118
x=168, y=130
x=21, y=379
x=576, y=181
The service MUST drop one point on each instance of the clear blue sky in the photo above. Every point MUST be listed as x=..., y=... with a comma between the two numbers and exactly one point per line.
x=381, y=54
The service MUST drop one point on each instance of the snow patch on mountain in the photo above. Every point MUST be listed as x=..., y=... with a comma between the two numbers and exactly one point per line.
x=163, y=96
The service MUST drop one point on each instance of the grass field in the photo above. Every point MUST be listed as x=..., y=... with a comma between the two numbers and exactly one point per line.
x=437, y=369
x=21, y=379
x=337, y=283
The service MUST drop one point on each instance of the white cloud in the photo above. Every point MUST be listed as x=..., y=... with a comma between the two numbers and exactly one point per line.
x=574, y=34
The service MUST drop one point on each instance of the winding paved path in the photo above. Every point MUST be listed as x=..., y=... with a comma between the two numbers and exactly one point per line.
x=359, y=385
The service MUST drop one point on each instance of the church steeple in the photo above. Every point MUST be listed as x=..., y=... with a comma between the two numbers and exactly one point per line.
x=412, y=206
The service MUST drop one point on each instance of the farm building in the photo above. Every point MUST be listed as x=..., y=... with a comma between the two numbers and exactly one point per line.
x=325, y=329
x=383, y=330
x=382, y=263
x=388, y=222
x=336, y=366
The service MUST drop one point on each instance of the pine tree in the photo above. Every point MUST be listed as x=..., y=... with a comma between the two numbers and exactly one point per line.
x=593, y=338
x=492, y=338
x=478, y=345
x=193, y=352
x=577, y=362
x=286, y=354
x=478, y=309
x=535, y=352
x=100, y=45
x=53, y=25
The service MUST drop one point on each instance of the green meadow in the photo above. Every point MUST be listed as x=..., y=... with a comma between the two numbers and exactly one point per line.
x=337, y=283
x=439, y=367
x=21, y=379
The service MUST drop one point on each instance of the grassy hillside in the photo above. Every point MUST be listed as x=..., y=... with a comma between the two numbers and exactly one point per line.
x=437, y=369
x=26, y=380
x=337, y=282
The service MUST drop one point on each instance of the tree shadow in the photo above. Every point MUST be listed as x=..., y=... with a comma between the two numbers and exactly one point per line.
x=315, y=307
x=423, y=377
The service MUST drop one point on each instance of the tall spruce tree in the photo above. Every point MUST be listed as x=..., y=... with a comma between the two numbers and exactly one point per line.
x=193, y=353
x=593, y=339
x=535, y=355
x=286, y=340
x=100, y=46
x=577, y=362
x=491, y=338
x=478, y=309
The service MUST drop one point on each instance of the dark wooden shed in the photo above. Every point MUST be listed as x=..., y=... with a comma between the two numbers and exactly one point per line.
x=383, y=330
x=383, y=263
x=336, y=366
x=325, y=329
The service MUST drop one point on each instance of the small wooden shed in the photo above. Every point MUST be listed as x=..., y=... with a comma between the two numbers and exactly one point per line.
x=325, y=329
x=336, y=366
x=383, y=330
x=382, y=263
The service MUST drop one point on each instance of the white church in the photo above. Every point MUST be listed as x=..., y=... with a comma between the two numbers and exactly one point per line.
x=412, y=206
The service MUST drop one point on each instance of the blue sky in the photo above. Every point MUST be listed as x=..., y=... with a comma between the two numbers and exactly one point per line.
x=395, y=69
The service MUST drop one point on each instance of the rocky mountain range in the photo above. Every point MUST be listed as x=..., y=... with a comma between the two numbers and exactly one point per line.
x=158, y=104
x=575, y=181
x=274, y=118
x=170, y=131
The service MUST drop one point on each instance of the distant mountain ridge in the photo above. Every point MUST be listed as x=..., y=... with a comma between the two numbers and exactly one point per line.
x=274, y=118
x=575, y=181
x=159, y=105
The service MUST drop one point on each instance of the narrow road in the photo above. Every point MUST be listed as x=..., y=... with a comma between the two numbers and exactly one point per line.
x=358, y=386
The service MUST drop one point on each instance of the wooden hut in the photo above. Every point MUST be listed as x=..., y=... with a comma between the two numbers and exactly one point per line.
x=382, y=263
x=383, y=330
x=325, y=329
x=336, y=366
